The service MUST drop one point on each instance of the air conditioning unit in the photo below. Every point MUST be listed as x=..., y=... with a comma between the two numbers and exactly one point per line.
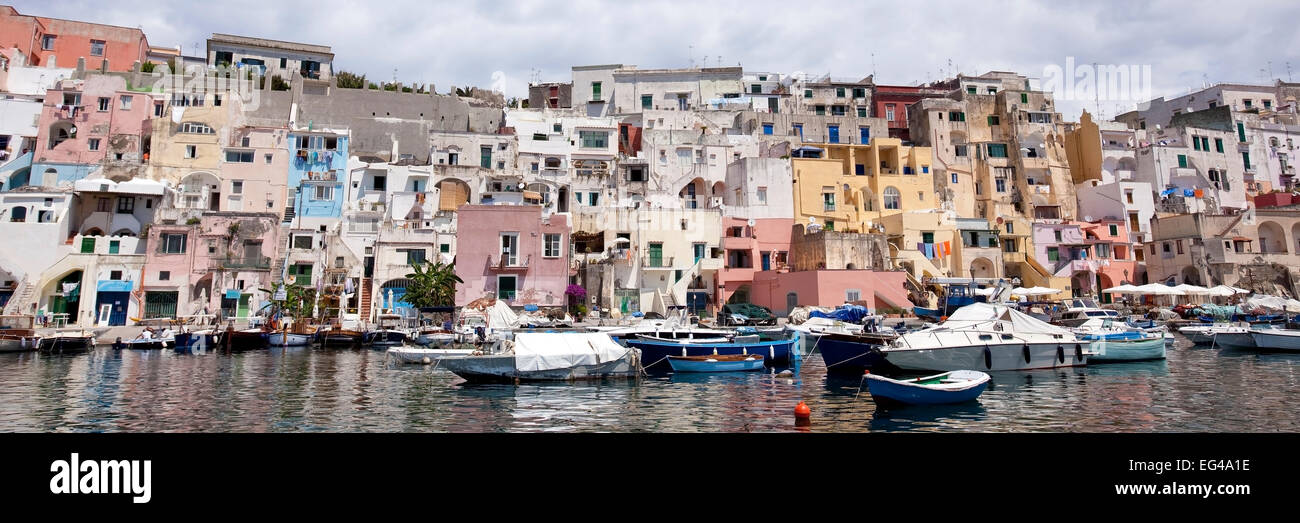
x=715, y=201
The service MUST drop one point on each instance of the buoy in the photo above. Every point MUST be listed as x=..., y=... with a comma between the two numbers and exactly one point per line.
x=801, y=411
x=866, y=372
x=426, y=360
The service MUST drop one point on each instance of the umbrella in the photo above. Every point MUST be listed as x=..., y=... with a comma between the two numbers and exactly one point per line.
x=1123, y=289
x=1034, y=291
x=620, y=241
x=1192, y=289
x=1221, y=291
x=1159, y=290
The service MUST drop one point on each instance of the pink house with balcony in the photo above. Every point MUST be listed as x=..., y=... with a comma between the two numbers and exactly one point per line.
x=512, y=253
x=89, y=123
x=216, y=265
x=1094, y=255
x=750, y=249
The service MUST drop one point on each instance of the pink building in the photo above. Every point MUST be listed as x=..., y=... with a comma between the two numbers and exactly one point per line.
x=765, y=246
x=215, y=265
x=47, y=40
x=90, y=121
x=512, y=253
x=782, y=291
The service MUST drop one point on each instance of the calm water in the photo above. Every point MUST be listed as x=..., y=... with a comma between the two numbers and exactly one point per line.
x=1196, y=389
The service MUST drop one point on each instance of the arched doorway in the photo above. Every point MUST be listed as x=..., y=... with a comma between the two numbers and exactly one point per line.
x=691, y=194
x=452, y=194
x=1190, y=276
x=66, y=296
x=1081, y=284
x=1104, y=282
x=982, y=268
x=200, y=190
x=1271, y=238
x=392, y=296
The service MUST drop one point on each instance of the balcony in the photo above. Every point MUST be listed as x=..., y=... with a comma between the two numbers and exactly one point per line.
x=657, y=262
x=244, y=263
x=319, y=176
x=738, y=243
x=509, y=263
x=1124, y=174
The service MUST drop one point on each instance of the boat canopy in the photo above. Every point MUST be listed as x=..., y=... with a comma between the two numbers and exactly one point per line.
x=985, y=312
x=537, y=351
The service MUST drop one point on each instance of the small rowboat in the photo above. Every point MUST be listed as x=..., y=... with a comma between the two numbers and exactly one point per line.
x=716, y=363
x=957, y=386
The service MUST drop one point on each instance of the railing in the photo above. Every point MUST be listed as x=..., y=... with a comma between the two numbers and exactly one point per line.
x=518, y=262
x=263, y=263
x=320, y=176
x=658, y=262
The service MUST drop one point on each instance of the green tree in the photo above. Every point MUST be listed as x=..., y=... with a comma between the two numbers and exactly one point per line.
x=432, y=285
x=348, y=80
x=298, y=301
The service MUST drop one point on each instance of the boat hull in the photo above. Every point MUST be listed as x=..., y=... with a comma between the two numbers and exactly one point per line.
x=288, y=339
x=656, y=353
x=847, y=355
x=65, y=344
x=992, y=357
x=1281, y=341
x=384, y=338
x=195, y=342
x=686, y=365
x=1127, y=350
x=418, y=354
x=886, y=391
x=19, y=343
x=1234, y=340
x=497, y=369
x=240, y=340
x=143, y=345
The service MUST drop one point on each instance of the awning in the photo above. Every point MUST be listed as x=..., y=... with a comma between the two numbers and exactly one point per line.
x=1242, y=239
x=115, y=286
x=532, y=195
x=232, y=294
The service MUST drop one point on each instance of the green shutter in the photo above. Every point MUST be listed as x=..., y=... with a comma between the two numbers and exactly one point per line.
x=1182, y=161
x=1024, y=98
x=1241, y=132
x=595, y=91
x=1218, y=145
x=1245, y=160
x=647, y=101
x=113, y=246
x=87, y=245
x=1196, y=143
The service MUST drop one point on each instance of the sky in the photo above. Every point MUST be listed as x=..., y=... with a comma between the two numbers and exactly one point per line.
x=1187, y=44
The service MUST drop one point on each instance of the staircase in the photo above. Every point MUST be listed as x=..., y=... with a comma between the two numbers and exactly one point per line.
x=21, y=298
x=364, y=305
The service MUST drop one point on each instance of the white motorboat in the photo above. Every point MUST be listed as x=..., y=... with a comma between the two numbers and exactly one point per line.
x=1080, y=310
x=814, y=328
x=411, y=354
x=1117, y=341
x=1203, y=333
x=1233, y=337
x=549, y=356
x=989, y=337
x=1276, y=339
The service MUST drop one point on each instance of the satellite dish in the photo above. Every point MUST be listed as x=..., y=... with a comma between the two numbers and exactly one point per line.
x=521, y=186
x=750, y=222
x=812, y=219
x=1087, y=218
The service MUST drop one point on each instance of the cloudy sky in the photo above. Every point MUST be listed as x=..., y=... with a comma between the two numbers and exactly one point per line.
x=1186, y=43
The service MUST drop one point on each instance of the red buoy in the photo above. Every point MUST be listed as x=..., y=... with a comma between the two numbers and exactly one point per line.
x=802, y=411
x=866, y=372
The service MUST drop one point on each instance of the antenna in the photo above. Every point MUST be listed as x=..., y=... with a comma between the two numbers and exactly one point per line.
x=691, y=54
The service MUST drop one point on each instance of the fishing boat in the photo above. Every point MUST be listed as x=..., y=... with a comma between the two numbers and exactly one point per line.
x=387, y=335
x=957, y=293
x=854, y=353
x=139, y=344
x=1080, y=310
x=247, y=339
x=64, y=342
x=339, y=337
x=17, y=333
x=957, y=386
x=656, y=350
x=716, y=363
x=993, y=337
x=197, y=341
x=813, y=329
x=1117, y=341
x=1203, y=333
x=544, y=356
x=413, y=354
x=289, y=339
x=1276, y=339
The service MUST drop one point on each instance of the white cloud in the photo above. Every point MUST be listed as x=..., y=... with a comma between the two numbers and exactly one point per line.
x=1187, y=42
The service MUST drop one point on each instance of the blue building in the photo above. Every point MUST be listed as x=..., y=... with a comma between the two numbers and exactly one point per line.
x=317, y=171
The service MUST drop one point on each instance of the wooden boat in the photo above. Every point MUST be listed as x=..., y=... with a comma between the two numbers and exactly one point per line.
x=1117, y=341
x=956, y=386
x=384, y=337
x=65, y=342
x=337, y=337
x=247, y=339
x=140, y=344
x=718, y=363
x=289, y=339
x=1276, y=339
x=17, y=333
x=197, y=341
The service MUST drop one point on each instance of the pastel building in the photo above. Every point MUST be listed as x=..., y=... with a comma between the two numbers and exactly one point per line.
x=522, y=258
x=89, y=123
x=56, y=42
x=214, y=266
x=848, y=187
x=1094, y=256
x=757, y=217
x=318, y=167
x=35, y=224
x=828, y=269
x=271, y=57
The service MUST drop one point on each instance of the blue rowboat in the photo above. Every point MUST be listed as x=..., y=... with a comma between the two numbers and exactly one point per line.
x=1125, y=346
x=718, y=363
x=195, y=341
x=655, y=352
x=956, y=386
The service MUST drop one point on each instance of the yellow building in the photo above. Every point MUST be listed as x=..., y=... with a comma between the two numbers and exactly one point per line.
x=849, y=186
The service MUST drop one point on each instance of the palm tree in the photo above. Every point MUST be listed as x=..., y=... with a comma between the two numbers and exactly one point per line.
x=298, y=301
x=432, y=285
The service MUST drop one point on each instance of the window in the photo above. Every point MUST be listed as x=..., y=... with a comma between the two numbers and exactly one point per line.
x=993, y=90
x=954, y=177
x=115, y=275
x=837, y=110
x=236, y=187
x=1024, y=98
x=1245, y=160
x=103, y=104
x=164, y=275
x=302, y=241
x=762, y=195
x=828, y=200
x=485, y=156
x=1247, y=102
x=93, y=144
x=820, y=109
x=997, y=150
x=839, y=92
x=1128, y=195
x=959, y=150
x=1182, y=161
x=647, y=101
x=1000, y=184
x=236, y=156
x=993, y=120
x=592, y=198
x=595, y=91
x=594, y=139
x=158, y=108
x=125, y=204
x=102, y=205
x=893, y=198
x=96, y=48
x=196, y=128
x=191, y=151
x=1053, y=254
x=767, y=128
x=1179, y=244
x=971, y=89
x=859, y=92
x=1057, y=234
x=852, y=295
x=268, y=158
x=125, y=101
x=284, y=63
x=323, y=192
x=444, y=247
x=172, y=243
x=807, y=93
x=47, y=43
x=956, y=116
x=414, y=256
x=862, y=112
x=551, y=246
x=889, y=112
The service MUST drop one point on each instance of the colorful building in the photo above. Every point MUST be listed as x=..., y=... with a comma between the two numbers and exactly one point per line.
x=521, y=258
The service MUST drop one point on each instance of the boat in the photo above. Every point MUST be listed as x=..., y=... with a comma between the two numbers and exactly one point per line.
x=339, y=337
x=1276, y=339
x=545, y=356
x=1235, y=336
x=74, y=341
x=958, y=386
x=957, y=293
x=656, y=350
x=414, y=354
x=384, y=337
x=854, y=353
x=1080, y=310
x=17, y=333
x=246, y=339
x=139, y=344
x=1116, y=341
x=813, y=329
x=992, y=337
x=716, y=363
x=197, y=341
x=1203, y=333
x=289, y=339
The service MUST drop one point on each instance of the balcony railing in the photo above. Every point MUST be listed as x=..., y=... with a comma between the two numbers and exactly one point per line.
x=657, y=262
x=502, y=263
x=254, y=263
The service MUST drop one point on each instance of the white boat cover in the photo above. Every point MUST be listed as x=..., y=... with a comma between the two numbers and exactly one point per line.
x=976, y=313
x=501, y=317
x=536, y=351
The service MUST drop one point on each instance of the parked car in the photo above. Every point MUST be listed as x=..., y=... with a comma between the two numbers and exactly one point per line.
x=745, y=314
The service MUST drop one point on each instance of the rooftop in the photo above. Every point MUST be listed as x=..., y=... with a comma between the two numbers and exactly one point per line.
x=272, y=44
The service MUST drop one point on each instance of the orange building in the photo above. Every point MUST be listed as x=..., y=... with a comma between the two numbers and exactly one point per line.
x=45, y=40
